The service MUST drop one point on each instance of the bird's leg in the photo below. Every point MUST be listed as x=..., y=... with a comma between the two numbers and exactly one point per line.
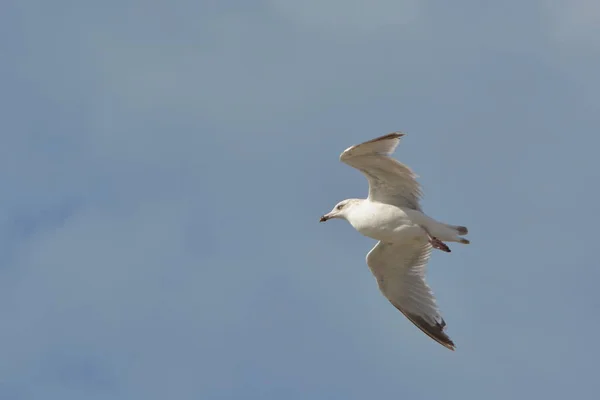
x=437, y=243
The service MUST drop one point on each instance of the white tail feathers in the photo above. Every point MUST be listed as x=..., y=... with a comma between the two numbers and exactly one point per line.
x=460, y=230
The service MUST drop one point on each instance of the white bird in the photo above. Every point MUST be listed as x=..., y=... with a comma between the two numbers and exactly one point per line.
x=392, y=215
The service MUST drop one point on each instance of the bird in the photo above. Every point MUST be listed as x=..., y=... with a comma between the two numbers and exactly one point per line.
x=392, y=215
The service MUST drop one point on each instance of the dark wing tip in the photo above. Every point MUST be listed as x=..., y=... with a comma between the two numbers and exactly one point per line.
x=436, y=332
x=393, y=135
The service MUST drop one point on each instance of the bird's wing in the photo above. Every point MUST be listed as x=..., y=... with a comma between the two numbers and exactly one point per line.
x=390, y=181
x=400, y=272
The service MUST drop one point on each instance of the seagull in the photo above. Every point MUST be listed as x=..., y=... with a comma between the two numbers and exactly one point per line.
x=392, y=215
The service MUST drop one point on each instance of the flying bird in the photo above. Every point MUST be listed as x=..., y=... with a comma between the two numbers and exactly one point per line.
x=392, y=215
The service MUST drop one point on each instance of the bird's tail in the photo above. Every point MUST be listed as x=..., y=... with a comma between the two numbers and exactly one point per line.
x=460, y=230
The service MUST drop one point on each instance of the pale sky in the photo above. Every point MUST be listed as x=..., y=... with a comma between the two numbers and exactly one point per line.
x=165, y=163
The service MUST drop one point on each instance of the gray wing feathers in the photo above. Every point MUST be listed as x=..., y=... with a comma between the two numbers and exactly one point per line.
x=400, y=272
x=390, y=181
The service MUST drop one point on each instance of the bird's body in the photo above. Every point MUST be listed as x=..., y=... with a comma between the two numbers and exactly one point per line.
x=389, y=223
x=392, y=215
x=386, y=222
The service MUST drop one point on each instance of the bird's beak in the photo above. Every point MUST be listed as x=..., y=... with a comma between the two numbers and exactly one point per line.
x=324, y=218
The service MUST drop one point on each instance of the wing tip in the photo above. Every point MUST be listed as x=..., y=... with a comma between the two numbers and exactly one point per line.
x=436, y=332
x=348, y=153
x=449, y=344
x=393, y=135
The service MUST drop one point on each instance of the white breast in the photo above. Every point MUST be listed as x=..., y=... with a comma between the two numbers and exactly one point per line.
x=382, y=222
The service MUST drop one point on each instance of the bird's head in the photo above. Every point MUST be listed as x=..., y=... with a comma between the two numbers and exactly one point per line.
x=340, y=210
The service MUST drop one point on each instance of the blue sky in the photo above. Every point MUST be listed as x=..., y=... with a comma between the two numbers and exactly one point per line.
x=164, y=165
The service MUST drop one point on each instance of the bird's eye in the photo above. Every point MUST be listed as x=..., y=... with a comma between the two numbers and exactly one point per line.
x=340, y=207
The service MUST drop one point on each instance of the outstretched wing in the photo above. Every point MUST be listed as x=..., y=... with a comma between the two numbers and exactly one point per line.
x=400, y=272
x=390, y=181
